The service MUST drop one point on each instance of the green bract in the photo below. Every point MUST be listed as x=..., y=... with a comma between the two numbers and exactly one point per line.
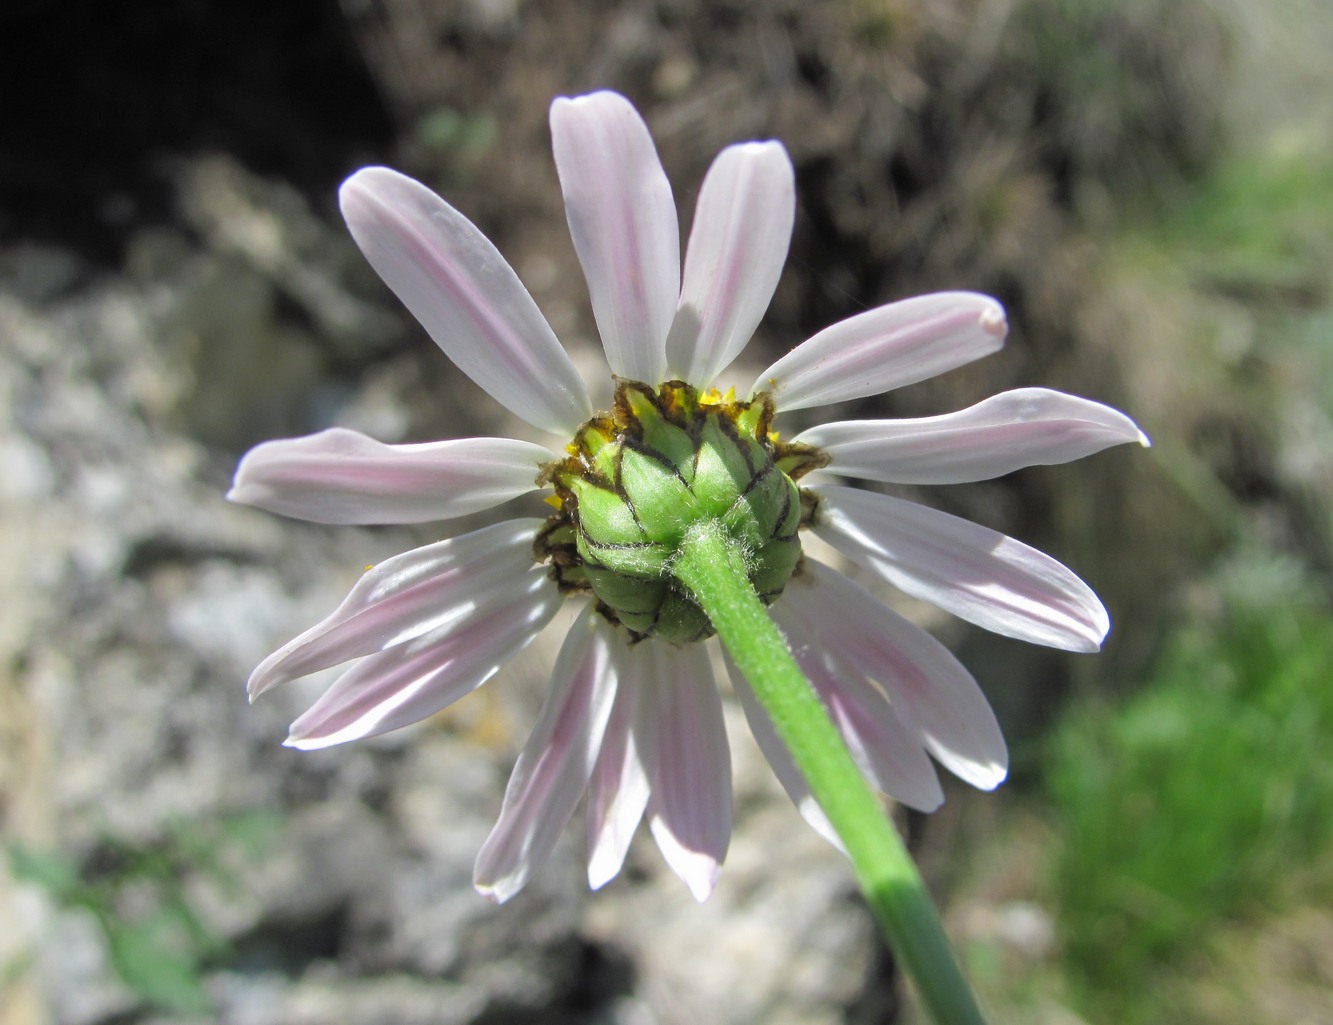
x=637, y=478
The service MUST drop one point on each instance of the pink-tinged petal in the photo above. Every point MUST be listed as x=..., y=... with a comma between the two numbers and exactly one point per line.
x=407, y=683
x=623, y=221
x=424, y=591
x=1024, y=427
x=683, y=742
x=966, y=569
x=885, y=348
x=928, y=690
x=779, y=758
x=552, y=771
x=340, y=476
x=618, y=789
x=465, y=295
x=889, y=752
x=738, y=244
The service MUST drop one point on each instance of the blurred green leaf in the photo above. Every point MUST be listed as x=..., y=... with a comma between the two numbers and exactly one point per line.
x=1203, y=799
x=51, y=871
x=159, y=960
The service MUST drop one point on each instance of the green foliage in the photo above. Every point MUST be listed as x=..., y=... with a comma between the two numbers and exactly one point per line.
x=1128, y=87
x=468, y=136
x=157, y=944
x=1257, y=224
x=1207, y=798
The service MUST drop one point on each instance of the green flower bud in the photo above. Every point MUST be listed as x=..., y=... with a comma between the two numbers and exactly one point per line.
x=636, y=480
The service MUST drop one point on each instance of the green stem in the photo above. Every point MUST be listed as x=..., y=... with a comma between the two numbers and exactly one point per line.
x=712, y=567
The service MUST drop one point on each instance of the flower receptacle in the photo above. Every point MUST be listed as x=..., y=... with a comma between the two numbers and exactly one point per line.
x=637, y=479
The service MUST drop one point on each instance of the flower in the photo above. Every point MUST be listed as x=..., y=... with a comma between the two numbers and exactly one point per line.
x=633, y=717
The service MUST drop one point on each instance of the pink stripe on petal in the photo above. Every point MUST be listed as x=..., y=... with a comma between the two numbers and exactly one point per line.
x=622, y=218
x=552, y=771
x=929, y=690
x=684, y=744
x=403, y=685
x=1006, y=432
x=975, y=573
x=412, y=594
x=618, y=789
x=465, y=295
x=341, y=476
x=885, y=348
x=738, y=245
x=889, y=752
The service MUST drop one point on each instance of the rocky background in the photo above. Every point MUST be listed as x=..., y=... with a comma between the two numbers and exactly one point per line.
x=175, y=286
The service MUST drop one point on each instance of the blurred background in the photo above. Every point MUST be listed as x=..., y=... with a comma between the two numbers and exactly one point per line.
x=1146, y=184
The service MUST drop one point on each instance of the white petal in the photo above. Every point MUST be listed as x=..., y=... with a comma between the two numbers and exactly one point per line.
x=888, y=347
x=552, y=771
x=340, y=476
x=738, y=244
x=623, y=221
x=1006, y=432
x=779, y=758
x=889, y=752
x=618, y=789
x=928, y=689
x=465, y=295
x=412, y=681
x=424, y=591
x=966, y=569
x=684, y=744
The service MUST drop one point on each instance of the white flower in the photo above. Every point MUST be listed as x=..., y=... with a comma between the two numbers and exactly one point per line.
x=634, y=722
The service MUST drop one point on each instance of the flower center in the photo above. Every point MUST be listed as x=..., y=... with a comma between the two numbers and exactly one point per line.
x=637, y=478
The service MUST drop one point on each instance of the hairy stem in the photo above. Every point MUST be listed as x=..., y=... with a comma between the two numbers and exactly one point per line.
x=712, y=567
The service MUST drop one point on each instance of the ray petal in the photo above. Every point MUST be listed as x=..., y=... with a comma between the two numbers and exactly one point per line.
x=618, y=789
x=552, y=771
x=407, y=683
x=738, y=245
x=470, y=301
x=623, y=221
x=424, y=591
x=886, y=348
x=684, y=743
x=341, y=476
x=1006, y=432
x=927, y=688
x=975, y=573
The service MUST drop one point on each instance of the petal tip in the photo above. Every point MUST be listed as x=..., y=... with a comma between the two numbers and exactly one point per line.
x=1101, y=628
x=358, y=185
x=761, y=147
x=924, y=799
x=1089, y=642
x=702, y=881
x=257, y=684
x=993, y=320
x=306, y=742
x=363, y=176
x=496, y=893
x=561, y=104
x=601, y=871
x=988, y=777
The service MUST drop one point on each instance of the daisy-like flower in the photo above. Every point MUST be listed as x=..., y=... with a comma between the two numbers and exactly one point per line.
x=633, y=717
